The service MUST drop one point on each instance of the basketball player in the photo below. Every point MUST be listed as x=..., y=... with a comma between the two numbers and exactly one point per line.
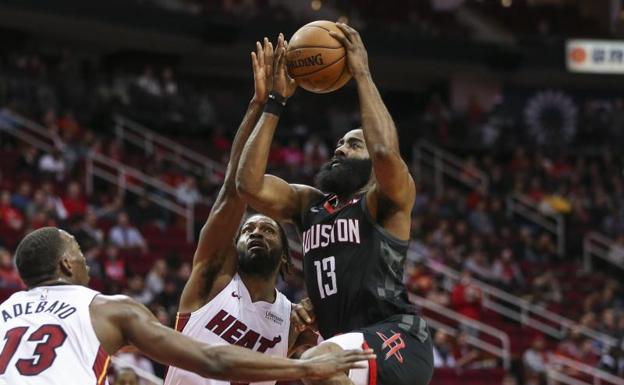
x=59, y=332
x=231, y=296
x=356, y=227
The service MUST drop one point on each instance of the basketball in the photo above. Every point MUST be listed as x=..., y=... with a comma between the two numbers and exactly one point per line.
x=316, y=60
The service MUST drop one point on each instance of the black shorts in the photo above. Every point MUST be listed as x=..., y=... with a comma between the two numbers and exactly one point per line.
x=403, y=347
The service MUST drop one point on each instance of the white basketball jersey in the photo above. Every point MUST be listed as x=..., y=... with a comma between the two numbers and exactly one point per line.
x=231, y=318
x=47, y=338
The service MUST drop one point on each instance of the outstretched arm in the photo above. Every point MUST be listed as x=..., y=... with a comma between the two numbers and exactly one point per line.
x=214, y=262
x=119, y=321
x=393, y=180
x=269, y=194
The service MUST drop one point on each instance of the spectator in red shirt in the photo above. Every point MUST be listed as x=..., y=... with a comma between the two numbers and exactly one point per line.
x=292, y=155
x=315, y=154
x=9, y=278
x=10, y=217
x=466, y=297
x=220, y=142
x=74, y=202
x=114, y=267
x=506, y=271
x=536, y=191
x=69, y=127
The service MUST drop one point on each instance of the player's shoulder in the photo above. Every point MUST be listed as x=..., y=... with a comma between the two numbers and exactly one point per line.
x=108, y=304
x=307, y=194
x=283, y=299
x=316, y=202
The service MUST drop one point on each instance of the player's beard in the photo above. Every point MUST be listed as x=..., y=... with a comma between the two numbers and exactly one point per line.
x=258, y=263
x=346, y=178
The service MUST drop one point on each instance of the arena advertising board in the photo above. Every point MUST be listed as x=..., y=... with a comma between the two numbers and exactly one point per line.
x=595, y=56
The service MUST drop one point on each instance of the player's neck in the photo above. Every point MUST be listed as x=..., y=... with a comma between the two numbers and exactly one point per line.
x=260, y=288
x=345, y=199
x=54, y=282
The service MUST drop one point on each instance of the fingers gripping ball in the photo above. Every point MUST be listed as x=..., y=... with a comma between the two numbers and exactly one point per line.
x=316, y=60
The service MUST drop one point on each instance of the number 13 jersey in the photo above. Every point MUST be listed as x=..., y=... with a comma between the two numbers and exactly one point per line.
x=47, y=338
x=353, y=268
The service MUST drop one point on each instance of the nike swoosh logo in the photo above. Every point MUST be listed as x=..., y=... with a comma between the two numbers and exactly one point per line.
x=235, y=295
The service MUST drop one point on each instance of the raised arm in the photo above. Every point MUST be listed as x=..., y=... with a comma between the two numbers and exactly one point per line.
x=214, y=262
x=119, y=321
x=393, y=180
x=269, y=194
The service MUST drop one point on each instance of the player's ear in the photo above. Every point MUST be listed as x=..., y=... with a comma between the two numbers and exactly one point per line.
x=65, y=265
x=286, y=267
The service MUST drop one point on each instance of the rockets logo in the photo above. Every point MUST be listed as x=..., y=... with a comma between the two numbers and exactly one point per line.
x=394, y=343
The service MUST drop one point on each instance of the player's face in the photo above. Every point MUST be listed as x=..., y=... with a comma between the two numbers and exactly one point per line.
x=352, y=146
x=350, y=168
x=259, y=246
x=79, y=268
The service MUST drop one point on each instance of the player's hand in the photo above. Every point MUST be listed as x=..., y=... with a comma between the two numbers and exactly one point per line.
x=302, y=315
x=330, y=364
x=262, y=62
x=357, y=57
x=283, y=84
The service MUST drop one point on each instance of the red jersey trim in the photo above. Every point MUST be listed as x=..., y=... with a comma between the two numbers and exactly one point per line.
x=331, y=209
x=181, y=320
x=100, y=366
x=328, y=206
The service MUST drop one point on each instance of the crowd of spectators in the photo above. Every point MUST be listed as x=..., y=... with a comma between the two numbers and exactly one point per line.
x=467, y=230
x=531, y=20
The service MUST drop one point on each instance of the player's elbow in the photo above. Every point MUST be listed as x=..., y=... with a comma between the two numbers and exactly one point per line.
x=245, y=187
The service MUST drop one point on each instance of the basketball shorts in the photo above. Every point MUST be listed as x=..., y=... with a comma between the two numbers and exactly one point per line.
x=403, y=347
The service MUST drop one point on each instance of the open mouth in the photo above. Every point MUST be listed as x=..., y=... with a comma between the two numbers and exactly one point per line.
x=255, y=244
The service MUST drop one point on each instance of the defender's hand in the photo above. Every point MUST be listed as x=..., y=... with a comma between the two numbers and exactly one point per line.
x=302, y=315
x=357, y=57
x=262, y=61
x=330, y=364
x=283, y=84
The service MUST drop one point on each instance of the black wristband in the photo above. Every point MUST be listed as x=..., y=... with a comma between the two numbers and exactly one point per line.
x=274, y=105
x=278, y=98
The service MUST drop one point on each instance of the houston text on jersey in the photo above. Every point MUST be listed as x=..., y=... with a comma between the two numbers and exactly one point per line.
x=342, y=230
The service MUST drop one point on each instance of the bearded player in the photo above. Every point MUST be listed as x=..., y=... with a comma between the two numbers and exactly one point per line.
x=231, y=296
x=356, y=226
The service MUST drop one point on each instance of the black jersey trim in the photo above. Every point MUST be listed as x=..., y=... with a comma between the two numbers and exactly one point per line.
x=383, y=232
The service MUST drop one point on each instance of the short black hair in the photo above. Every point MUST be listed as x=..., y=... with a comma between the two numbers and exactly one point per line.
x=285, y=244
x=38, y=254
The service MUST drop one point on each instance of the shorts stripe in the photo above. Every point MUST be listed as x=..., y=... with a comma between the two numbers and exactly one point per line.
x=372, y=367
x=100, y=366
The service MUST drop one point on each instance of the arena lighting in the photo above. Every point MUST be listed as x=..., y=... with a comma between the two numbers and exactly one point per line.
x=595, y=56
x=316, y=5
x=506, y=3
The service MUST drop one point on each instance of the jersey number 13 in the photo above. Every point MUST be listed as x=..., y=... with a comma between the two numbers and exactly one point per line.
x=326, y=276
x=49, y=338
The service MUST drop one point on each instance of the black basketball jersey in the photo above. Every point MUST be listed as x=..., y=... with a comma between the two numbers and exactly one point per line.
x=353, y=268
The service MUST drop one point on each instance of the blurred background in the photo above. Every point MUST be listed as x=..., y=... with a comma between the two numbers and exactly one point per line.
x=117, y=119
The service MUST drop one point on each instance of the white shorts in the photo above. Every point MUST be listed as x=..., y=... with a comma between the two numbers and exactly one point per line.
x=351, y=341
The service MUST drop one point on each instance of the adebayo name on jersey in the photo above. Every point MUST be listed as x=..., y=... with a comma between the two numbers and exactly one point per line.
x=60, y=309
